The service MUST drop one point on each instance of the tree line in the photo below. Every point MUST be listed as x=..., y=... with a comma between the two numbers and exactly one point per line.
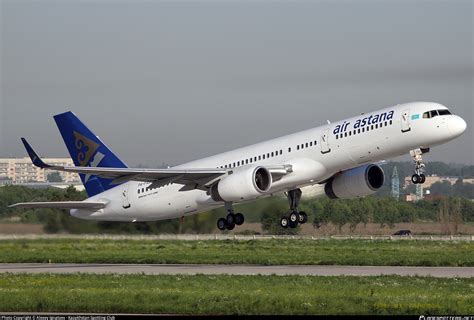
x=450, y=211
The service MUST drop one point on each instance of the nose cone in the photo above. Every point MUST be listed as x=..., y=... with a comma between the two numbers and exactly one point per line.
x=457, y=126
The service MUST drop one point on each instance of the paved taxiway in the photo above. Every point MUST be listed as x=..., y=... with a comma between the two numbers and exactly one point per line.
x=155, y=269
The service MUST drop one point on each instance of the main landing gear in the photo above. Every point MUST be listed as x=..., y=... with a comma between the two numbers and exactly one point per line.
x=231, y=220
x=419, y=176
x=294, y=216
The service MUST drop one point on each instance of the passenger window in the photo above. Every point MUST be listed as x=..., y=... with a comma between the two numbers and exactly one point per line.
x=263, y=157
x=311, y=143
x=238, y=163
x=272, y=154
x=372, y=127
x=390, y=122
x=281, y=152
x=315, y=142
x=289, y=149
x=259, y=157
x=246, y=161
x=298, y=147
x=358, y=130
x=337, y=137
x=306, y=145
x=345, y=134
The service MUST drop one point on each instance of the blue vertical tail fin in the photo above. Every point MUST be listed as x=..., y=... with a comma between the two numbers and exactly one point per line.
x=87, y=150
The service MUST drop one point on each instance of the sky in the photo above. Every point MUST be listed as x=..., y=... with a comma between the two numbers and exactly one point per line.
x=173, y=81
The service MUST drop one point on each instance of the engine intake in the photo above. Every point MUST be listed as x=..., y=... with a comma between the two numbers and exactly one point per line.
x=355, y=183
x=243, y=184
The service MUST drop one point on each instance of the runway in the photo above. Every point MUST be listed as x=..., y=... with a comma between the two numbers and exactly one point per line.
x=213, y=269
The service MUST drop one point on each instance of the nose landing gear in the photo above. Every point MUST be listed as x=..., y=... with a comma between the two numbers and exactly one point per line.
x=231, y=220
x=294, y=216
x=419, y=176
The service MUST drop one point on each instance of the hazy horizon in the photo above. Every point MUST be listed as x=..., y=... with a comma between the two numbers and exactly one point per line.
x=173, y=81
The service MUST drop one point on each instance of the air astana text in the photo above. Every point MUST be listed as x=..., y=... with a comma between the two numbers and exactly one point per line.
x=360, y=123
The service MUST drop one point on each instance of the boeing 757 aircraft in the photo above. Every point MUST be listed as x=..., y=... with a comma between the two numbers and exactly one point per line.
x=339, y=158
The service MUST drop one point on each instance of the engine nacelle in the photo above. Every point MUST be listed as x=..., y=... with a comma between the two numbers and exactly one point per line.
x=355, y=183
x=243, y=184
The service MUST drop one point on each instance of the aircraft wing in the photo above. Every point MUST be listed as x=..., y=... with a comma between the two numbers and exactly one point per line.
x=191, y=178
x=61, y=205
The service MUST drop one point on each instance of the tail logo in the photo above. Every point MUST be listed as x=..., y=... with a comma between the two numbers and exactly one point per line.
x=85, y=148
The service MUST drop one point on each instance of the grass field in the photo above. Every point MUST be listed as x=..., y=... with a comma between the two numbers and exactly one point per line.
x=263, y=252
x=235, y=294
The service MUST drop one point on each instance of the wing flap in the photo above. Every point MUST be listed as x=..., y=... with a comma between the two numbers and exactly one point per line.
x=191, y=178
x=121, y=175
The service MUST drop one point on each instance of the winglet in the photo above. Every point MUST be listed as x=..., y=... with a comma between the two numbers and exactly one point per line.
x=33, y=156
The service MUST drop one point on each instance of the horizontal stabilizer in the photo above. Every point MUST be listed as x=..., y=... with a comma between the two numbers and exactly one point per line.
x=60, y=205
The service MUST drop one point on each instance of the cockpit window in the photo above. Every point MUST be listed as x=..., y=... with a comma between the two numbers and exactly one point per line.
x=443, y=112
x=434, y=113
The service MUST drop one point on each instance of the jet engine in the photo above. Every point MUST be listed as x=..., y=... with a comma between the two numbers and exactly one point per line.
x=355, y=183
x=242, y=184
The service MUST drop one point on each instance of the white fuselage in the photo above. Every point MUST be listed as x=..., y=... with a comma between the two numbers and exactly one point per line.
x=315, y=155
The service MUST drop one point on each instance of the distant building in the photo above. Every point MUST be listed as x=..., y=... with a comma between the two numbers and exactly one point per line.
x=433, y=197
x=410, y=197
x=21, y=170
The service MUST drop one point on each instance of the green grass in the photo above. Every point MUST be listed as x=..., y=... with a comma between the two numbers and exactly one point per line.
x=263, y=252
x=204, y=294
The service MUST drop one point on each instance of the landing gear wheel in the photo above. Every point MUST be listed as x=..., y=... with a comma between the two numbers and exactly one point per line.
x=422, y=178
x=302, y=217
x=417, y=156
x=222, y=224
x=230, y=219
x=294, y=217
x=239, y=219
x=284, y=222
x=293, y=224
x=415, y=178
x=231, y=226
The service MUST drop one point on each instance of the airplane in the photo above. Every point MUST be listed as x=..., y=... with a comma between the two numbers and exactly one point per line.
x=341, y=159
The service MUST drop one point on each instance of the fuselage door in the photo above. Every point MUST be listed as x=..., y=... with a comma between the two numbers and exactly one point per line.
x=125, y=200
x=405, y=120
x=325, y=141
